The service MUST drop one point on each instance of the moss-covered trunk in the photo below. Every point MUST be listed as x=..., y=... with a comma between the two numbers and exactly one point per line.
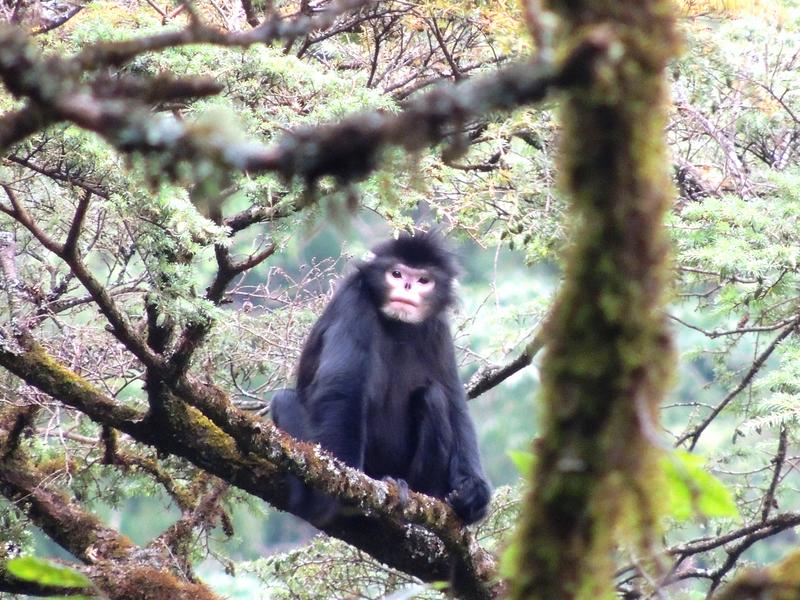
x=608, y=354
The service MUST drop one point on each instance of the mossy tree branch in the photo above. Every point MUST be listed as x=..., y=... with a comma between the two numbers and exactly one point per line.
x=92, y=105
x=164, y=381
x=780, y=581
x=257, y=455
x=349, y=150
x=114, y=564
x=486, y=379
x=272, y=29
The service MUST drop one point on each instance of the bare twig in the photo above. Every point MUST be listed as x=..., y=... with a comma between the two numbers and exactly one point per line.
x=271, y=30
x=119, y=322
x=712, y=334
x=486, y=379
x=71, y=243
x=194, y=333
x=8, y=269
x=694, y=434
x=56, y=23
x=250, y=13
x=58, y=175
x=768, y=501
x=443, y=46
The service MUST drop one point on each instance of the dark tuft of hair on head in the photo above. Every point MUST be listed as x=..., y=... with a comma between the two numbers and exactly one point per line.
x=422, y=249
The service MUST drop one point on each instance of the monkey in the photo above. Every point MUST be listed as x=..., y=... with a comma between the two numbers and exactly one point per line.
x=378, y=385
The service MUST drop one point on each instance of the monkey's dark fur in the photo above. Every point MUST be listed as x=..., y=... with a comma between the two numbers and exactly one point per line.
x=384, y=395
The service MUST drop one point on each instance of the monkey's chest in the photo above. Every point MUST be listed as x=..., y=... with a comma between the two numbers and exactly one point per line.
x=392, y=422
x=390, y=446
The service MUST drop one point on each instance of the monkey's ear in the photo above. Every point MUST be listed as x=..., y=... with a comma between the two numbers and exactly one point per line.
x=365, y=261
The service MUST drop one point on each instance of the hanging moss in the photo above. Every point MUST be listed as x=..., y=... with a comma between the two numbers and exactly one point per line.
x=608, y=354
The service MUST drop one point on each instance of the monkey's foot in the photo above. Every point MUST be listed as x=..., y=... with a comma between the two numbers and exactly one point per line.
x=402, y=489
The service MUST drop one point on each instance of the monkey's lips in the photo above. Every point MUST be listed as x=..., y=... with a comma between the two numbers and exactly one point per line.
x=406, y=301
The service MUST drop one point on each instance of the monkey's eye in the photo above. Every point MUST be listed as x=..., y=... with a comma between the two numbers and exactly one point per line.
x=396, y=274
x=424, y=280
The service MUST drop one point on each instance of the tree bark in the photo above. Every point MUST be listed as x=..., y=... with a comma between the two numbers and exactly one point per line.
x=608, y=355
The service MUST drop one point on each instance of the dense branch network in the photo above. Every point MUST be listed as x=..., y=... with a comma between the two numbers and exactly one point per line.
x=195, y=419
x=185, y=413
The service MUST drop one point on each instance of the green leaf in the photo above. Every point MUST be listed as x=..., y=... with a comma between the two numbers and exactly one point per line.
x=691, y=489
x=30, y=568
x=509, y=560
x=523, y=461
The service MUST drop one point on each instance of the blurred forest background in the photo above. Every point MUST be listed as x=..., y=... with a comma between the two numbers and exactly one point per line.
x=131, y=208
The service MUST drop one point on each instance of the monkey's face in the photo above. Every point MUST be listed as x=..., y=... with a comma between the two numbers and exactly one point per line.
x=408, y=293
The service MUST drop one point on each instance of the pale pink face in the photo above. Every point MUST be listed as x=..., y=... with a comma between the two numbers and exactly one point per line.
x=408, y=296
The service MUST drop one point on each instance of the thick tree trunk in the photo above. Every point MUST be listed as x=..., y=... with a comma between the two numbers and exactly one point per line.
x=608, y=354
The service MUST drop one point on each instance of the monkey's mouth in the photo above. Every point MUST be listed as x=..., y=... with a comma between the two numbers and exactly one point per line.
x=404, y=301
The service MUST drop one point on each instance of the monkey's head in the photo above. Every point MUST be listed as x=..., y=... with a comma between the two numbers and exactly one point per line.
x=411, y=278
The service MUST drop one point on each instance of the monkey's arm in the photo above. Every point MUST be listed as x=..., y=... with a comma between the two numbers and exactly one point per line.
x=471, y=491
x=335, y=399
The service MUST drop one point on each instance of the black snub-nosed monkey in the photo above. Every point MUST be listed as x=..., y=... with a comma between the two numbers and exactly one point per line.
x=378, y=386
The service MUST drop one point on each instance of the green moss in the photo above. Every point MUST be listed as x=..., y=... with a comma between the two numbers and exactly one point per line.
x=778, y=582
x=148, y=583
x=37, y=367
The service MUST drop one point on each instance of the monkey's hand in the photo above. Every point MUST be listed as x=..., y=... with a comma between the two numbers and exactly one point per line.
x=470, y=499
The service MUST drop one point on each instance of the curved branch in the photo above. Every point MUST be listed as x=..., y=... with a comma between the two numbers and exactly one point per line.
x=779, y=460
x=778, y=580
x=486, y=379
x=777, y=523
x=194, y=334
x=325, y=472
x=116, y=565
x=120, y=327
x=349, y=149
